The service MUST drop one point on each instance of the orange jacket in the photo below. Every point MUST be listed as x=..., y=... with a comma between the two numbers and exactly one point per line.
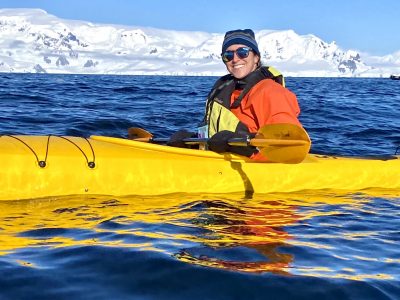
x=266, y=103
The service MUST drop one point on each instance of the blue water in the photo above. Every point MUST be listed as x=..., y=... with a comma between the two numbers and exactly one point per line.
x=321, y=245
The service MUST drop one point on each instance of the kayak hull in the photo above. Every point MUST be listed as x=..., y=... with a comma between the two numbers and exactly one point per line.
x=43, y=166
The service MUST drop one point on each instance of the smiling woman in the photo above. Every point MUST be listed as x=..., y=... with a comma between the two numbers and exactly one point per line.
x=246, y=99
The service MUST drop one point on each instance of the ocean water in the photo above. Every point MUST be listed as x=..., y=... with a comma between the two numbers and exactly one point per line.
x=306, y=245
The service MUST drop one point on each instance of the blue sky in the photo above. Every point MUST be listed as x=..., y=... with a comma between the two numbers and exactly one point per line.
x=364, y=25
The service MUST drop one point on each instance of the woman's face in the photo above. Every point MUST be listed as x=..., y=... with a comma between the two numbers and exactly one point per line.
x=241, y=67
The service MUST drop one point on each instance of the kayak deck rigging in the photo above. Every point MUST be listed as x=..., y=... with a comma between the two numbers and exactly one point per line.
x=42, y=163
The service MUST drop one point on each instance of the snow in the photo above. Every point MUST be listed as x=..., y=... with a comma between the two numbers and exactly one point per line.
x=32, y=40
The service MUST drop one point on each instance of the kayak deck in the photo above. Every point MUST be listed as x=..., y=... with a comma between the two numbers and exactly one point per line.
x=46, y=166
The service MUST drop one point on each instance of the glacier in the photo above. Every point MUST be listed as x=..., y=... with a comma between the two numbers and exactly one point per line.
x=33, y=41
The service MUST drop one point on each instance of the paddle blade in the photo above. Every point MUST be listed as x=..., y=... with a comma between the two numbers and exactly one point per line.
x=136, y=133
x=285, y=154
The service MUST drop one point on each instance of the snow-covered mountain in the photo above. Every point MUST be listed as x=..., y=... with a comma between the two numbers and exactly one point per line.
x=33, y=41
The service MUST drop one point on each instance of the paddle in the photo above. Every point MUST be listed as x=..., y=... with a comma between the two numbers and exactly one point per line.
x=294, y=153
x=285, y=143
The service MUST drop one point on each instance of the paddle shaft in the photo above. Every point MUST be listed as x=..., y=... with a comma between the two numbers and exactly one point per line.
x=233, y=142
x=281, y=143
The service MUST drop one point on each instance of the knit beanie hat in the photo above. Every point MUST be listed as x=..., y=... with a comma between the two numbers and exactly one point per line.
x=239, y=36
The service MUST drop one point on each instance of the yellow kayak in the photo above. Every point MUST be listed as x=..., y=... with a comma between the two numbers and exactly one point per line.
x=52, y=166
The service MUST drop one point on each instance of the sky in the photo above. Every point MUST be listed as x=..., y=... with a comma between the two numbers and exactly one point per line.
x=368, y=26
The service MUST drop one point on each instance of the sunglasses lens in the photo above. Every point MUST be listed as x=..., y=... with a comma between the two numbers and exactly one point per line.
x=243, y=52
x=228, y=56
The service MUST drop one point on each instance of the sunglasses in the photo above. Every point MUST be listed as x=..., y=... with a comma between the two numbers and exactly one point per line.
x=241, y=52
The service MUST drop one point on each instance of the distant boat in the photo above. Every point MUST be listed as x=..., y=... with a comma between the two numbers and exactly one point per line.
x=395, y=77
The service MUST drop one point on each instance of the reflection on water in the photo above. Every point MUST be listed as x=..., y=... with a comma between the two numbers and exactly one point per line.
x=322, y=234
x=256, y=229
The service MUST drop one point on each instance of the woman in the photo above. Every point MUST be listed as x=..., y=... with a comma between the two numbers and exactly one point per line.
x=249, y=97
x=244, y=100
